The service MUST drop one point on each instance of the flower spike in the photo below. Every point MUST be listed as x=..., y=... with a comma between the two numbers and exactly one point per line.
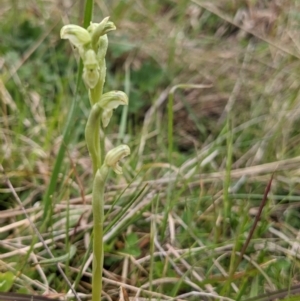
x=92, y=46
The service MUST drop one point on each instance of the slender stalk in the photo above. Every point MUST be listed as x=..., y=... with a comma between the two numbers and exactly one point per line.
x=170, y=123
x=226, y=186
x=98, y=217
x=124, y=117
x=88, y=12
x=92, y=137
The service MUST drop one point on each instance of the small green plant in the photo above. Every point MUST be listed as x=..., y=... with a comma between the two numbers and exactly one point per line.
x=91, y=44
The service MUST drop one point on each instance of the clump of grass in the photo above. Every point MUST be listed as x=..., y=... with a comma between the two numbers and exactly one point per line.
x=167, y=235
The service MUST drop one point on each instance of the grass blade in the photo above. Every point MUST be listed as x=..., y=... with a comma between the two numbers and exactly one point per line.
x=47, y=199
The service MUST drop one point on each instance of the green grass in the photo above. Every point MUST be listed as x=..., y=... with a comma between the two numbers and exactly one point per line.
x=178, y=218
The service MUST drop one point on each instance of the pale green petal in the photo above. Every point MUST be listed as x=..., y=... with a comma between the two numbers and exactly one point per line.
x=115, y=155
x=102, y=29
x=77, y=35
x=106, y=115
x=111, y=100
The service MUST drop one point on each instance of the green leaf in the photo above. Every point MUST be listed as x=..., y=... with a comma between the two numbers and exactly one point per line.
x=131, y=245
x=131, y=239
x=6, y=281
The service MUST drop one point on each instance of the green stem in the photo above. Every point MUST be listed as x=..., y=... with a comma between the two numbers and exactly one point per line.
x=88, y=13
x=92, y=136
x=124, y=117
x=96, y=93
x=227, y=200
x=170, y=123
x=98, y=217
x=97, y=141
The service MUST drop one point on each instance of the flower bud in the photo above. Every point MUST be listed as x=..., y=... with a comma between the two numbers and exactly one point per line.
x=115, y=155
x=93, y=26
x=97, y=30
x=102, y=48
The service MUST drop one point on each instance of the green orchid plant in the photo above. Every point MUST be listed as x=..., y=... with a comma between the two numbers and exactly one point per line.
x=92, y=44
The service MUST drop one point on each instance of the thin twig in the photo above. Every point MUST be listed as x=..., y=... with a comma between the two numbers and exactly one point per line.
x=257, y=218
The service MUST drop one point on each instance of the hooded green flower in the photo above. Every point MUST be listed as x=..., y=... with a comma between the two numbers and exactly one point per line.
x=115, y=155
x=91, y=49
x=110, y=101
